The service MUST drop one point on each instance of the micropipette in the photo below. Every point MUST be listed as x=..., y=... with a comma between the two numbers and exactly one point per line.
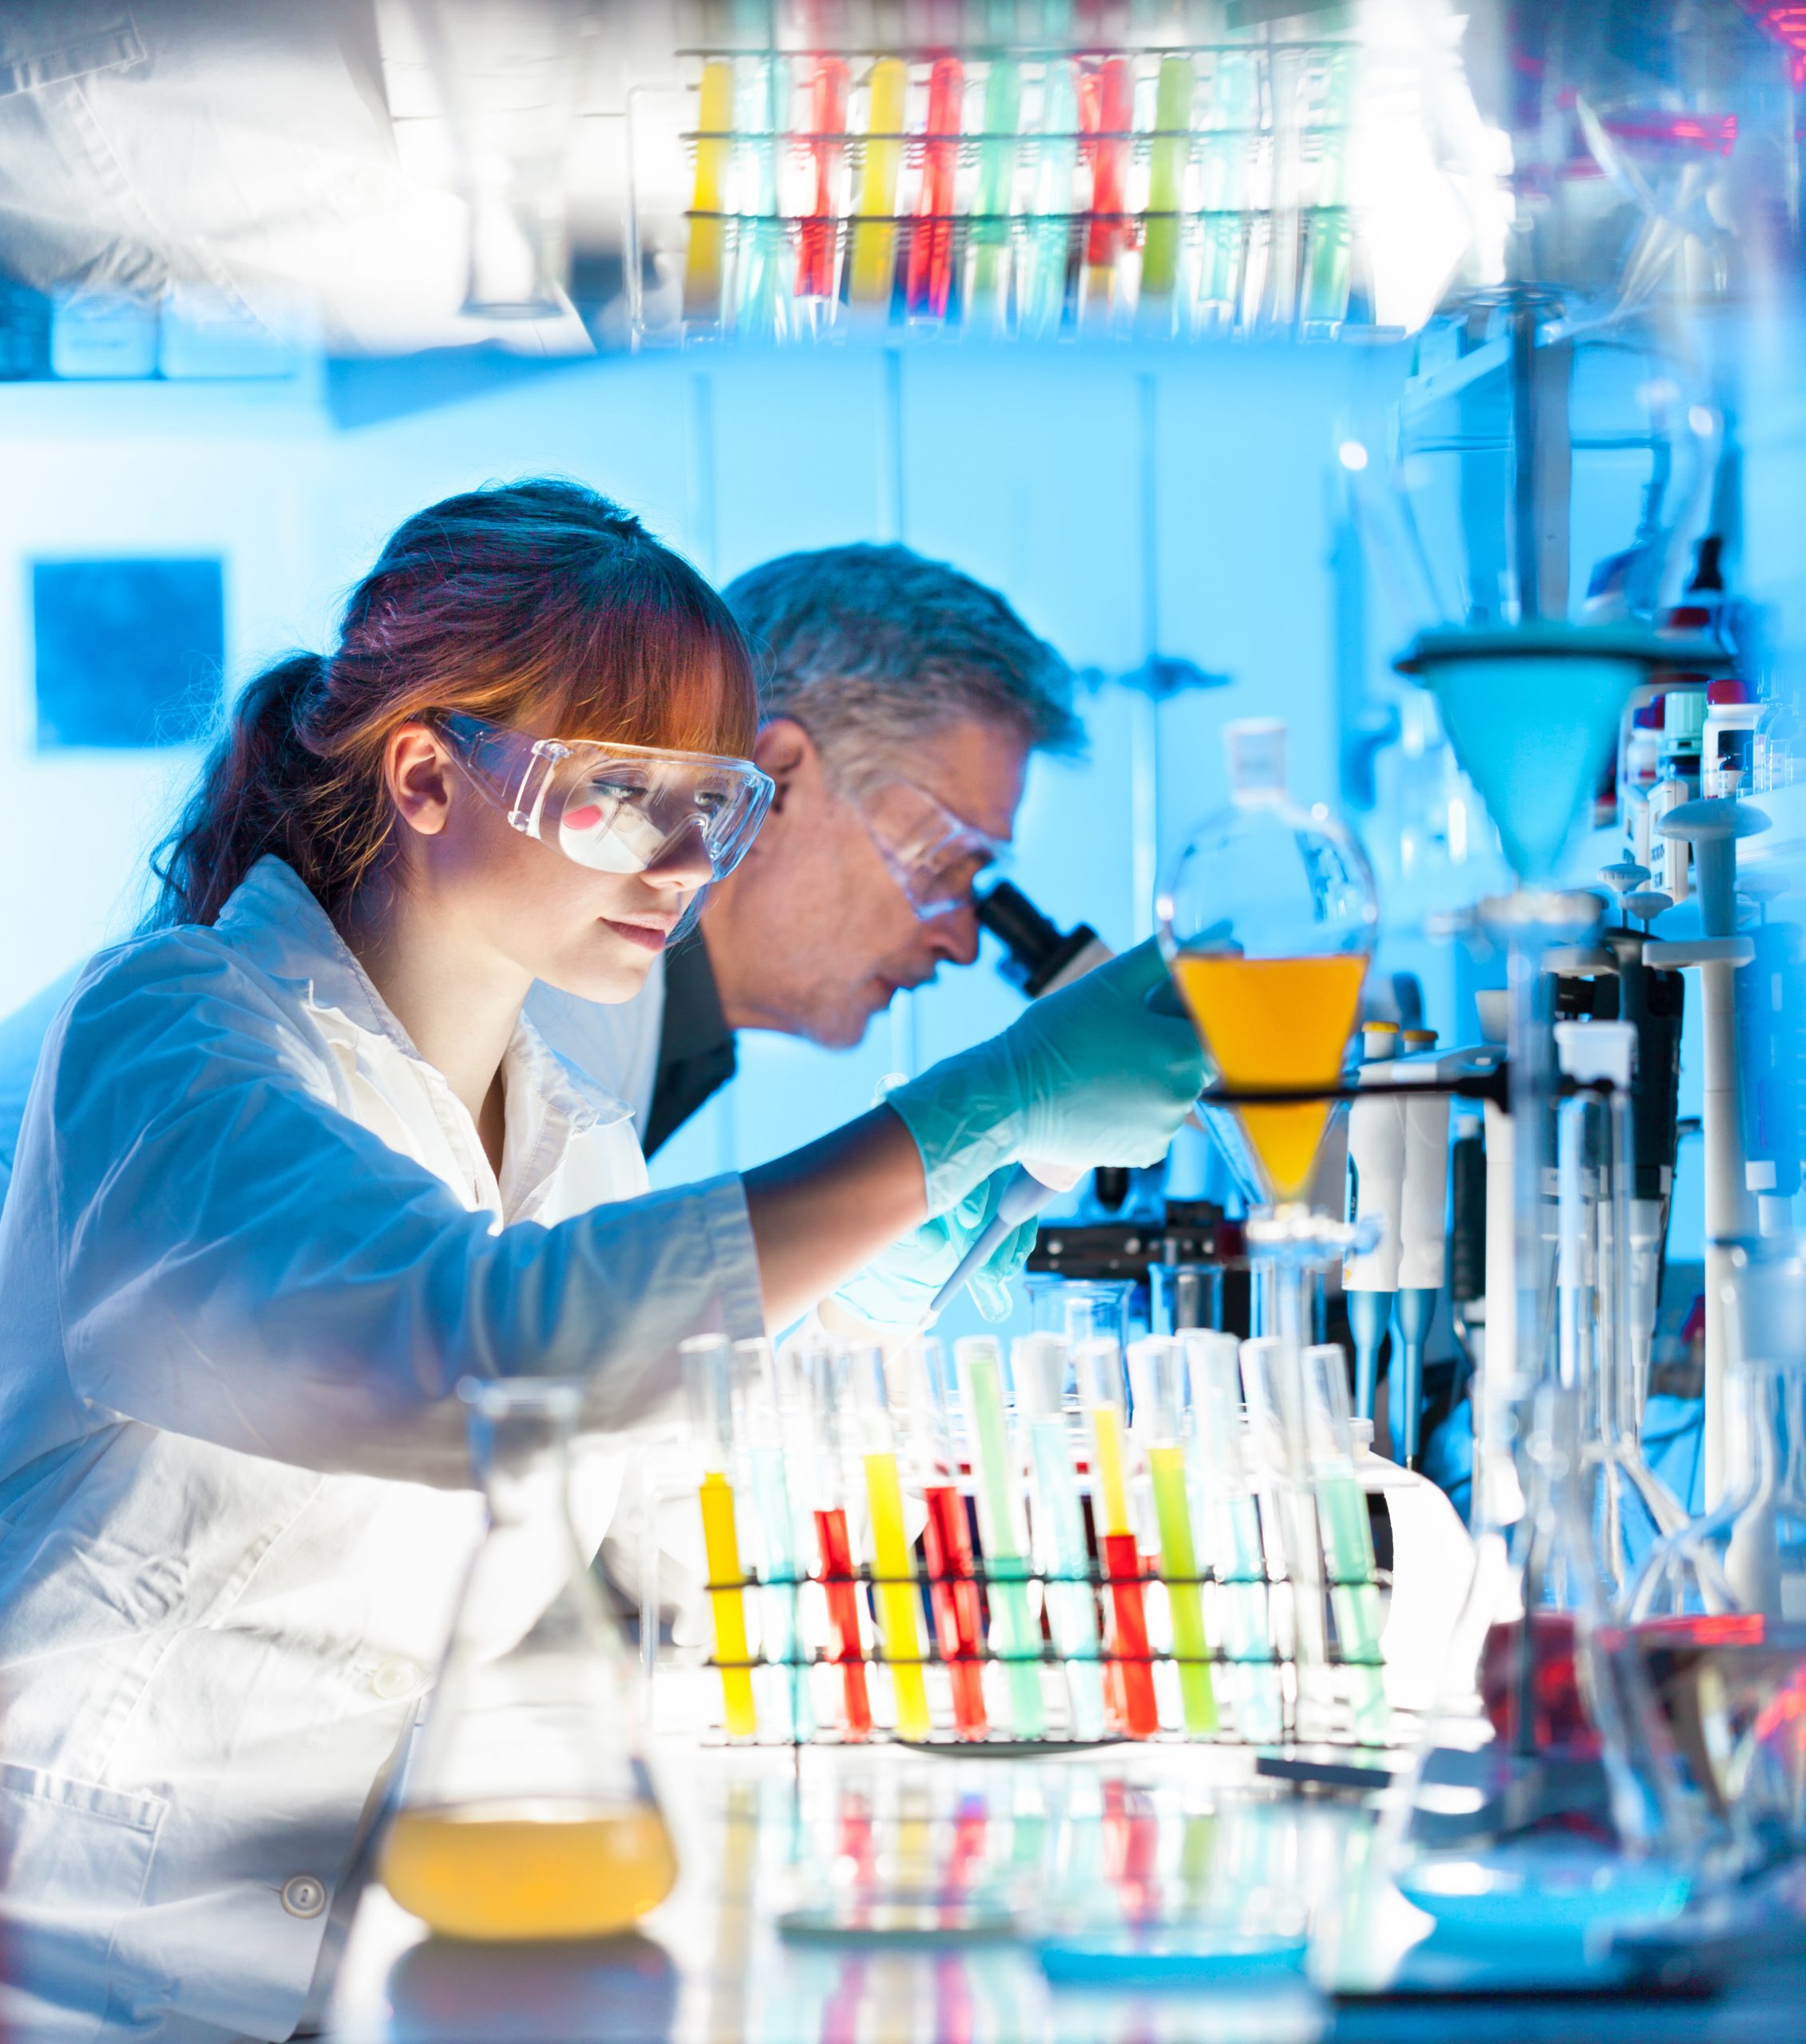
x=1000, y=1528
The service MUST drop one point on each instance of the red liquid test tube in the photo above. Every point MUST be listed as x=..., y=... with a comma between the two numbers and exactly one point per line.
x=947, y=1543
x=827, y=122
x=930, y=279
x=1134, y=1665
x=1107, y=101
x=837, y=1579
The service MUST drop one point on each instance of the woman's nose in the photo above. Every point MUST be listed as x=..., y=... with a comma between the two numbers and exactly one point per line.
x=683, y=861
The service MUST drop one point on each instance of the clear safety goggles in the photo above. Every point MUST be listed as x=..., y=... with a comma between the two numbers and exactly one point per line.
x=612, y=808
x=934, y=856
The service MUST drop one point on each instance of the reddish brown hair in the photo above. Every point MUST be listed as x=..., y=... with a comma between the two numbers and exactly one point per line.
x=539, y=605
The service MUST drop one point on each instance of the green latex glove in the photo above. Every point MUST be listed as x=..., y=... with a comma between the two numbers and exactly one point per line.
x=895, y=1288
x=1092, y=1075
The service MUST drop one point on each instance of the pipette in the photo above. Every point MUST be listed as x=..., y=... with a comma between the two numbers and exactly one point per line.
x=1131, y=1672
x=894, y=1571
x=1348, y=1537
x=708, y=1385
x=1157, y=1368
x=1225, y=1507
x=826, y=1375
x=1000, y=1528
x=1039, y=1365
x=953, y=1596
x=872, y=265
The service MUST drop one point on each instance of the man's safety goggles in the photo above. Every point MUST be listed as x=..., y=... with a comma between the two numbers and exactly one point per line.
x=932, y=854
x=612, y=808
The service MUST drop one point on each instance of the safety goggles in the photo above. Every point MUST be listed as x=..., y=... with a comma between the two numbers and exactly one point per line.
x=934, y=855
x=612, y=808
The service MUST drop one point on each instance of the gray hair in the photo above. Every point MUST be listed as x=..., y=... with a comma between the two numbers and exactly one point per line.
x=872, y=647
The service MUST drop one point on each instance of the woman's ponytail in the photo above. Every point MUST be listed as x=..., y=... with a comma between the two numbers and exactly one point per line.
x=248, y=800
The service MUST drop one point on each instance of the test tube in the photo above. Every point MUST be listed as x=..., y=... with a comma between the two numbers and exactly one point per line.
x=893, y=1570
x=1234, y=101
x=1100, y=1388
x=762, y=1409
x=708, y=1385
x=817, y=269
x=826, y=1377
x=1348, y=1537
x=1107, y=106
x=1041, y=297
x=704, y=263
x=1169, y=154
x=1224, y=1504
x=1038, y=1363
x=760, y=292
x=929, y=281
x=1330, y=264
x=987, y=290
x=872, y=271
x=954, y=1598
x=1016, y=1634
x=1271, y=1380
x=1160, y=1382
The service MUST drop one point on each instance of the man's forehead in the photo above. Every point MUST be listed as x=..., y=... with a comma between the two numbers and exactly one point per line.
x=974, y=767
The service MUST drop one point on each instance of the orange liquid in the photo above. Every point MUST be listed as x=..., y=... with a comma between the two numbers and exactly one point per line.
x=1276, y=1022
x=514, y=1870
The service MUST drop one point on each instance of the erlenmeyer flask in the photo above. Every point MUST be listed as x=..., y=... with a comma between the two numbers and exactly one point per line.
x=1718, y=1615
x=528, y=1812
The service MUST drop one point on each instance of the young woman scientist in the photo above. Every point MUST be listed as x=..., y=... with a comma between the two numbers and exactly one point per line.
x=294, y=1165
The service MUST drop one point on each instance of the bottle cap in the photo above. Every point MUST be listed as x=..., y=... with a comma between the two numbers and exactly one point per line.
x=1255, y=749
x=1420, y=1039
x=1728, y=689
x=1683, y=713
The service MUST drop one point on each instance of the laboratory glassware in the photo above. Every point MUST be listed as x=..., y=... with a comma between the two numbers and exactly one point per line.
x=1162, y=1388
x=528, y=1812
x=1347, y=1538
x=1183, y=1296
x=933, y=1462
x=894, y=1593
x=1129, y=1676
x=768, y=1418
x=1039, y=1365
x=1717, y=1617
x=1080, y=1309
x=821, y=1467
x=708, y=1387
x=997, y=1482
x=1279, y=1452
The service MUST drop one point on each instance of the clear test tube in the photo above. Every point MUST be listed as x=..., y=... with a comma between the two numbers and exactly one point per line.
x=894, y=1568
x=1158, y=1371
x=1225, y=1506
x=1002, y=1530
x=1038, y=1363
x=1271, y=1371
x=932, y=1458
x=1130, y=1671
x=708, y=1386
x=1348, y=1538
x=759, y=1414
x=822, y=1373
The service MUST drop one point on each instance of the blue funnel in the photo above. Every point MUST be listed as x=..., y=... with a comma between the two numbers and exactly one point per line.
x=1532, y=713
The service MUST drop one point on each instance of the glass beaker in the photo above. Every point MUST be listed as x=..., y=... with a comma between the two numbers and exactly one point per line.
x=528, y=1812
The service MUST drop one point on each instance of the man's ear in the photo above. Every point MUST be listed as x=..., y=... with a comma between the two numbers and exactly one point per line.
x=785, y=751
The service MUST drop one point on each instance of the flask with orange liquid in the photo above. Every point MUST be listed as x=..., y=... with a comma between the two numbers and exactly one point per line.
x=528, y=1812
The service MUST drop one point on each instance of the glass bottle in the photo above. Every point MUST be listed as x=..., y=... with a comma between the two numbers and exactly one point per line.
x=1717, y=1617
x=528, y=1812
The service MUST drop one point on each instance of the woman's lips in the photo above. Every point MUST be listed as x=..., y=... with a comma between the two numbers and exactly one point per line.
x=649, y=936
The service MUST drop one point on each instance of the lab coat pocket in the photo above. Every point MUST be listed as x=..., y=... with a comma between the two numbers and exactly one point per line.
x=74, y=1858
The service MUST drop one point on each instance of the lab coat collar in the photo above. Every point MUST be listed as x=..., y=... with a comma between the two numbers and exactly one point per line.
x=273, y=921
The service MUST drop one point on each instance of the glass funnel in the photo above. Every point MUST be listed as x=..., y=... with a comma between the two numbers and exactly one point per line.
x=528, y=1812
x=1717, y=1618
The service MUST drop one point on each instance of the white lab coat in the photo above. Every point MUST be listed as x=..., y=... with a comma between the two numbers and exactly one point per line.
x=252, y=1244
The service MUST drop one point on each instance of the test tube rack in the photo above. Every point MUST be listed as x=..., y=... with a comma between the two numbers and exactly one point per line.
x=1330, y=1718
x=1015, y=190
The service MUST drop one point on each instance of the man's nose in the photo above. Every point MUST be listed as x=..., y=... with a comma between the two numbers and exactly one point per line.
x=682, y=861
x=954, y=936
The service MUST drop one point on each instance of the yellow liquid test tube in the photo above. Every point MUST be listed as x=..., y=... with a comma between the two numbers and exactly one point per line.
x=872, y=267
x=721, y=1546
x=1112, y=1491
x=714, y=120
x=1178, y=1562
x=899, y=1610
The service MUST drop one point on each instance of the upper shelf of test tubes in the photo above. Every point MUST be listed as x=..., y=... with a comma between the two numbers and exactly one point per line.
x=1010, y=190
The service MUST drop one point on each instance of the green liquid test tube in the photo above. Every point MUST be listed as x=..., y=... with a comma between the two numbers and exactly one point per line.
x=1348, y=1539
x=1168, y=154
x=1039, y=1362
x=1178, y=1560
x=999, y=1527
x=986, y=292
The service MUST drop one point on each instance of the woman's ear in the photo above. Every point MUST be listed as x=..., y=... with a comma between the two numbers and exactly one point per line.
x=417, y=772
x=785, y=751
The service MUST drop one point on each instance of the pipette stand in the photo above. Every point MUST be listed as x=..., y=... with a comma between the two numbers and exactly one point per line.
x=1713, y=828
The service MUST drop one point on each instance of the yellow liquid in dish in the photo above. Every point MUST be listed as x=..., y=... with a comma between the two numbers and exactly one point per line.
x=527, y=1870
x=1276, y=1022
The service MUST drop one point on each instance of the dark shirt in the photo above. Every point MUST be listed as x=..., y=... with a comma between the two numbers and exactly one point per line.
x=695, y=1045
